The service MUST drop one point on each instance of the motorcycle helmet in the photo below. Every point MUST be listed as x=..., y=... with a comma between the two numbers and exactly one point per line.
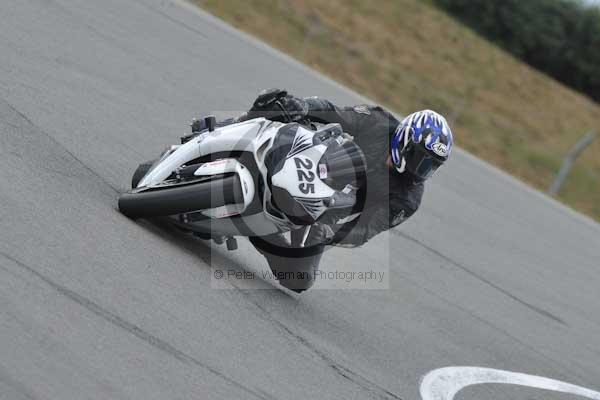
x=421, y=144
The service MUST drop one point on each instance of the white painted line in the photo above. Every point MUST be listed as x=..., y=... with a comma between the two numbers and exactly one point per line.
x=444, y=383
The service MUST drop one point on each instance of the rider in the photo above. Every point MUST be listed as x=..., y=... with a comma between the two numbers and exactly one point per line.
x=400, y=156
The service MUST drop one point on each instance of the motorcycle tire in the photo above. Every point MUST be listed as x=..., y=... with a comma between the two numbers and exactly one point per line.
x=220, y=191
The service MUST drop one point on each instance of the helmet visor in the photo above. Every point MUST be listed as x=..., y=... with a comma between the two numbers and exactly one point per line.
x=419, y=162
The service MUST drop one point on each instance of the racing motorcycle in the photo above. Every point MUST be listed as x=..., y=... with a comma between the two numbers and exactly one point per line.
x=252, y=178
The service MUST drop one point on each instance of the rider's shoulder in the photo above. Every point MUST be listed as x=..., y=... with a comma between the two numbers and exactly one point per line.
x=374, y=110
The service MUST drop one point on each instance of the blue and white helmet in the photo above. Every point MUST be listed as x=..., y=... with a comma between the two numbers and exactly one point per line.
x=421, y=144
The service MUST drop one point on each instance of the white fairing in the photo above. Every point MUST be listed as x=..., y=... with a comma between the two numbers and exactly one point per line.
x=236, y=137
x=301, y=174
x=254, y=136
x=221, y=167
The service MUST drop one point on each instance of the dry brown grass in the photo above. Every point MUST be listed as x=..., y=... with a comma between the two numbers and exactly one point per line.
x=407, y=55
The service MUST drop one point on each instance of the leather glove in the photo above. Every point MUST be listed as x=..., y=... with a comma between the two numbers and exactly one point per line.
x=266, y=99
x=278, y=105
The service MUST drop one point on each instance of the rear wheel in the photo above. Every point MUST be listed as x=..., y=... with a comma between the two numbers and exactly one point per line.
x=296, y=274
x=296, y=268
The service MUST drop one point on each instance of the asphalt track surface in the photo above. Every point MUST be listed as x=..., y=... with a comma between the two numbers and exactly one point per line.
x=93, y=305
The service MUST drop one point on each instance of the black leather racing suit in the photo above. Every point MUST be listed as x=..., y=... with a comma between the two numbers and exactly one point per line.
x=391, y=197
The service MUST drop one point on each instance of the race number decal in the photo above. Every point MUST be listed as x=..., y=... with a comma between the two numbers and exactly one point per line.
x=305, y=175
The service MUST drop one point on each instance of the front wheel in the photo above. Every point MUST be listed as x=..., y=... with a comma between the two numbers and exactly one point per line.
x=161, y=202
